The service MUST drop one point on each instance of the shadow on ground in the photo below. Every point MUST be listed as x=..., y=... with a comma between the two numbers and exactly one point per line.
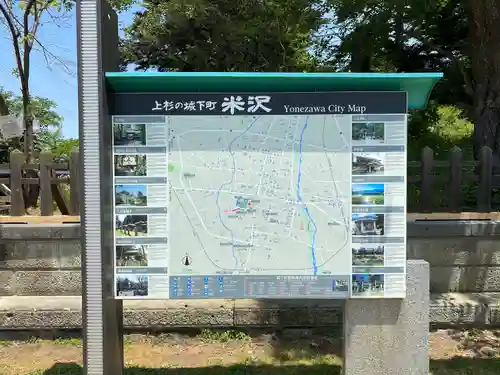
x=306, y=344
x=452, y=366
x=74, y=369
x=465, y=366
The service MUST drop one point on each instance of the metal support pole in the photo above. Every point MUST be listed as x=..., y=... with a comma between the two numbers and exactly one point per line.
x=102, y=315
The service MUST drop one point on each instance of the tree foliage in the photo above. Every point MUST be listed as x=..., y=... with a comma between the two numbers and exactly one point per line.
x=221, y=35
x=49, y=138
x=45, y=111
x=458, y=37
x=23, y=21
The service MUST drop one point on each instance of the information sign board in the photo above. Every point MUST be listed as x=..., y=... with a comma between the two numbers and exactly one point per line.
x=259, y=195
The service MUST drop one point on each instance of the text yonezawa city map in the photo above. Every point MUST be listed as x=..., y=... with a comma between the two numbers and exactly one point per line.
x=262, y=195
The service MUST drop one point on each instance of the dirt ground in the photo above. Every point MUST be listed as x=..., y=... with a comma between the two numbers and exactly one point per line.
x=235, y=353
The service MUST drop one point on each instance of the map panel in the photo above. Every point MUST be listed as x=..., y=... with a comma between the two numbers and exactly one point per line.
x=266, y=195
x=260, y=195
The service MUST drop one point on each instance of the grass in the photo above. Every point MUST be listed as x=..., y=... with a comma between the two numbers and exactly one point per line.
x=210, y=352
x=121, y=233
x=223, y=336
x=233, y=353
x=465, y=366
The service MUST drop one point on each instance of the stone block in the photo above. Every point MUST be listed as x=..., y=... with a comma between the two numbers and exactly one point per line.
x=458, y=309
x=429, y=228
x=40, y=283
x=455, y=251
x=64, y=312
x=390, y=336
x=39, y=231
x=288, y=313
x=47, y=254
x=453, y=228
x=42, y=319
x=469, y=279
x=161, y=314
x=444, y=279
x=484, y=228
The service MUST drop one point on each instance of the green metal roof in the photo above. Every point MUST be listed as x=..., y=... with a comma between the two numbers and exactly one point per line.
x=417, y=85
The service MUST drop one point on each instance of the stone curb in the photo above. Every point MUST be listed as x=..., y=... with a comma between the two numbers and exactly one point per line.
x=25, y=313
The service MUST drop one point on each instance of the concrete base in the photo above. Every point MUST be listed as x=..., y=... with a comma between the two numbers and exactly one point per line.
x=390, y=337
x=61, y=313
x=44, y=260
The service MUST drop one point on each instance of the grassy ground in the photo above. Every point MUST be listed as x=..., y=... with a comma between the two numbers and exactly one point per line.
x=235, y=353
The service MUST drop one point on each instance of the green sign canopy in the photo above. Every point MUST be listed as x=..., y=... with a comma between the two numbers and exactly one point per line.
x=417, y=85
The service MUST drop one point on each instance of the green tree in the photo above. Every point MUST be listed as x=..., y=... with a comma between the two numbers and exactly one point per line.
x=378, y=131
x=221, y=35
x=49, y=136
x=458, y=37
x=45, y=111
x=52, y=140
x=23, y=20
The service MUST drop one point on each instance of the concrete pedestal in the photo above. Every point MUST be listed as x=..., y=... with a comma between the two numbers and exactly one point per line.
x=390, y=336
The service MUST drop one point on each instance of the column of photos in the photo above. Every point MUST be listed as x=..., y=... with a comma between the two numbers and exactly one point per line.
x=131, y=195
x=367, y=195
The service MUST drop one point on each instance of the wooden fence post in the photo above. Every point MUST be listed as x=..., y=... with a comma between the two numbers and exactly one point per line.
x=74, y=182
x=46, y=204
x=427, y=159
x=484, y=188
x=455, y=188
x=16, y=185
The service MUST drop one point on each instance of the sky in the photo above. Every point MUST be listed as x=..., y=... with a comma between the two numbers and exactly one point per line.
x=359, y=216
x=50, y=79
x=367, y=189
x=132, y=189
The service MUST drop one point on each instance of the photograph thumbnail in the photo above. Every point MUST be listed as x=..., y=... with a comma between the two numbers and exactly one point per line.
x=368, y=133
x=131, y=225
x=130, y=165
x=131, y=195
x=368, y=194
x=131, y=285
x=367, y=254
x=129, y=134
x=368, y=224
x=367, y=285
x=131, y=256
x=340, y=285
x=368, y=163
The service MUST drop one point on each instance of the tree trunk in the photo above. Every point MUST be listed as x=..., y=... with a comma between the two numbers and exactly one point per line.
x=487, y=133
x=484, y=42
x=361, y=54
x=4, y=110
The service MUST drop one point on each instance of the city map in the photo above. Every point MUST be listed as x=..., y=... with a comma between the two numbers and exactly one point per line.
x=263, y=195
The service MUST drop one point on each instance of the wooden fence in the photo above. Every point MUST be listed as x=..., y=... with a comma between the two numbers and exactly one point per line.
x=433, y=185
x=441, y=185
x=58, y=184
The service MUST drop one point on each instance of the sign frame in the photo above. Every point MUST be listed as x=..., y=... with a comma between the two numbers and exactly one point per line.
x=97, y=28
x=158, y=111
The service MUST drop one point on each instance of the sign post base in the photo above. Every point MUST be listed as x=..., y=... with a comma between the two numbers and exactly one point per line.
x=390, y=336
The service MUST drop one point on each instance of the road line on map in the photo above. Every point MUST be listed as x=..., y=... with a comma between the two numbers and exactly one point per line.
x=265, y=158
x=313, y=254
x=257, y=135
x=217, y=199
